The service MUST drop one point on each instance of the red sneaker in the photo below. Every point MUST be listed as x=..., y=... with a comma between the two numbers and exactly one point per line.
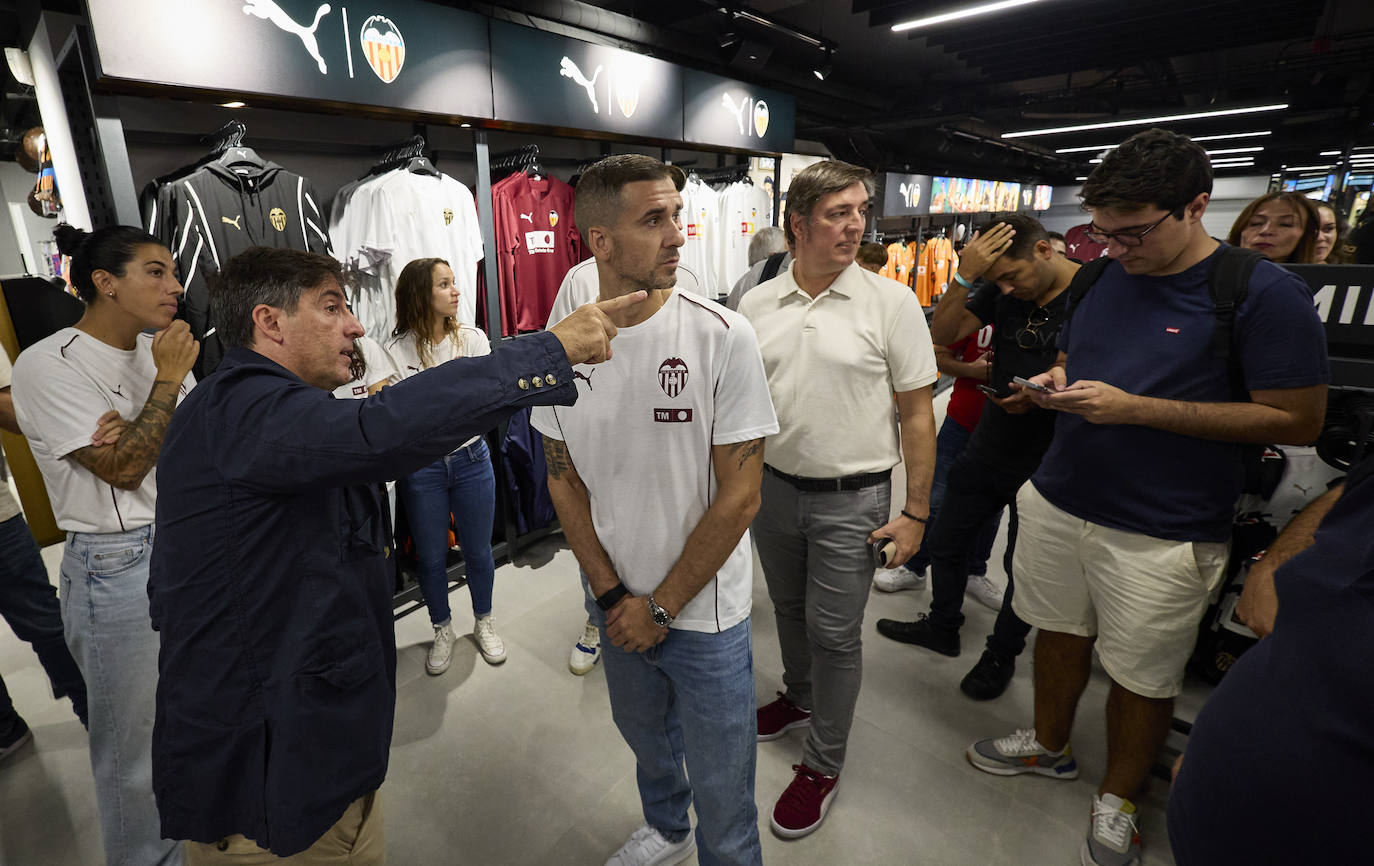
x=779, y=717
x=802, y=807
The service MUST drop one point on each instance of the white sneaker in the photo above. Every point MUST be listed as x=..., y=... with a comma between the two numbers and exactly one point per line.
x=897, y=579
x=488, y=641
x=647, y=847
x=981, y=588
x=587, y=651
x=1114, y=836
x=441, y=651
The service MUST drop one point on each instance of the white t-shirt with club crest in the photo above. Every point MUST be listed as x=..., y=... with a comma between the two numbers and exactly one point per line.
x=640, y=435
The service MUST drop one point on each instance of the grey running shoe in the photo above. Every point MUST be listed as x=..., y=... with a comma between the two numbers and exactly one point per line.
x=1021, y=753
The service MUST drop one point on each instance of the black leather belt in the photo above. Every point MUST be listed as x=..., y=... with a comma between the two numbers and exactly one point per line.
x=831, y=485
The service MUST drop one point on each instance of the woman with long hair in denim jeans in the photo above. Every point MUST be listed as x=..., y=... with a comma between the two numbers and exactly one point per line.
x=463, y=484
x=106, y=373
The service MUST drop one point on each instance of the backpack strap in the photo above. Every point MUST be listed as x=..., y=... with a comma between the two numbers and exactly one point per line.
x=772, y=266
x=1228, y=282
x=1087, y=275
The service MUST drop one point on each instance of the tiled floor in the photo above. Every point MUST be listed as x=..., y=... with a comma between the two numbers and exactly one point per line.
x=521, y=764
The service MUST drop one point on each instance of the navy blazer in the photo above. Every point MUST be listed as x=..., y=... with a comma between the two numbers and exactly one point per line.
x=271, y=582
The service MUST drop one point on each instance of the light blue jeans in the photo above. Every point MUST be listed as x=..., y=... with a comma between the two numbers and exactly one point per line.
x=686, y=710
x=104, y=591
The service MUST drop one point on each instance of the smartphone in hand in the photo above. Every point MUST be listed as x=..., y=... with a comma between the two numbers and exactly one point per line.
x=1027, y=383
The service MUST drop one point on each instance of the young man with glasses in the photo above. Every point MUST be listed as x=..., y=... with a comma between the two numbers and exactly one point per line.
x=1124, y=527
x=1024, y=298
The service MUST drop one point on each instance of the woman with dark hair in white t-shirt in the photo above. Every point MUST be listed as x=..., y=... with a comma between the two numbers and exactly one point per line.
x=463, y=484
x=107, y=372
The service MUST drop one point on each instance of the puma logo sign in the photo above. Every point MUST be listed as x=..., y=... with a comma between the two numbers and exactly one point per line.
x=737, y=110
x=577, y=374
x=270, y=11
x=233, y=222
x=568, y=69
x=528, y=217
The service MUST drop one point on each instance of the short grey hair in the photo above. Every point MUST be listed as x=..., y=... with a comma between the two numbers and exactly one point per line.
x=768, y=240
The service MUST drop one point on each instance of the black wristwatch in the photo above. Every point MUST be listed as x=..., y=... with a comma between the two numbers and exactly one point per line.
x=611, y=597
x=662, y=618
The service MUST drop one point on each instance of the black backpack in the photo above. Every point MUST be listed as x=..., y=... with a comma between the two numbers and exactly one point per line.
x=1228, y=282
x=772, y=266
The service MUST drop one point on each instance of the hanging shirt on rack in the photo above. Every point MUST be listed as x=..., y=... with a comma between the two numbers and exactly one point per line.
x=537, y=242
x=211, y=214
x=396, y=218
x=701, y=225
x=744, y=209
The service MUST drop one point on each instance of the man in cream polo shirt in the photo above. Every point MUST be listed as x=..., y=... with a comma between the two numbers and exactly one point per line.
x=838, y=342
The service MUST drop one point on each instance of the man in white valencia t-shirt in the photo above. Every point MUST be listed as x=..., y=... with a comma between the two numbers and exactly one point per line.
x=655, y=474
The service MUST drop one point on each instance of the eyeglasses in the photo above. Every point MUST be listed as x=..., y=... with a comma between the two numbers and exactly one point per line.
x=1126, y=239
x=1030, y=337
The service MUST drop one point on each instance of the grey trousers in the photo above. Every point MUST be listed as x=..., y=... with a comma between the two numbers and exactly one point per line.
x=814, y=551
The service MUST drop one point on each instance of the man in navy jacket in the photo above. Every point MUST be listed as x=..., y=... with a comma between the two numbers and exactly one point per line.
x=272, y=579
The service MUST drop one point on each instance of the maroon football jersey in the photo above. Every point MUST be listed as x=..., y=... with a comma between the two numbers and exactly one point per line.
x=536, y=243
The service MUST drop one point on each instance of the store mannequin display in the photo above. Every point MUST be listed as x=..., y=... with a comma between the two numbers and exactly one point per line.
x=1025, y=299
x=462, y=483
x=1119, y=557
x=1282, y=225
x=826, y=491
x=658, y=514
x=272, y=574
x=107, y=370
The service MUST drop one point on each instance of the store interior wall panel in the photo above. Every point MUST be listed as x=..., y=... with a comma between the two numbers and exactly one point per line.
x=15, y=183
x=1230, y=195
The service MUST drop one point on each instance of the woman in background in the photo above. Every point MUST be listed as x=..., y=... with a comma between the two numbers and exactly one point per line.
x=1281, y=225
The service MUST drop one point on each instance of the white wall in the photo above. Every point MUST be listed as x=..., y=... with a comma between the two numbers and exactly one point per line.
x=15, y=183
x=1230, y=195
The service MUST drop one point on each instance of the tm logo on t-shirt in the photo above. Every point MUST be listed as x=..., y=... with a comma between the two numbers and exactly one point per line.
x=539, y=242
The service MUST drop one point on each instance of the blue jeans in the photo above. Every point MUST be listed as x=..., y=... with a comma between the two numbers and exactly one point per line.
x=686, y=710
x=949, y=444
x=105, y=617
x=29, y=604
x=461, y=483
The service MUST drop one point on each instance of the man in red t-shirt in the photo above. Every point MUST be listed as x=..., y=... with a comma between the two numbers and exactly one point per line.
x=967, y=360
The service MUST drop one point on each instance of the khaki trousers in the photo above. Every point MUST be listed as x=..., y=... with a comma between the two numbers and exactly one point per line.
x=355, y=840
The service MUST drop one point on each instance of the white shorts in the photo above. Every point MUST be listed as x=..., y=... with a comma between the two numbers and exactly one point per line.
x=1142, y=597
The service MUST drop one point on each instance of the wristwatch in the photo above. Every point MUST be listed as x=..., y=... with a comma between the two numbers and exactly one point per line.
x=611, y=597
x=661, y=617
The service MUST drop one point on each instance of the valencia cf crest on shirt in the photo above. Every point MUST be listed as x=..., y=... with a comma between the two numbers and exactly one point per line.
x=553, y=218
x=278, y=218
x=448, y=216
x=383, y=46
x=672, y=376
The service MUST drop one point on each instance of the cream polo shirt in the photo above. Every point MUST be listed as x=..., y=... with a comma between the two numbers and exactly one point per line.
x=833, y=364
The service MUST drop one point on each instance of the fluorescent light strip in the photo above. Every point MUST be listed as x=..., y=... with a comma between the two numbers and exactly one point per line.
x=1098, y=148
x=1230, y=135
x=1084, y=177
x=1232, y=164
x=1166, y=118
x=1235, y=150
x=1338, y=153
x=967, y=12
x=1233, y=159
x=1293, y=168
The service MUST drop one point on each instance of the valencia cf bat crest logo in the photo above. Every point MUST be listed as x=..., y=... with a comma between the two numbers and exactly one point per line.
x=448, y=216
x=278, y=218
x=672, y=376
x=383, y=46
x=760, y=117
x=553, y=218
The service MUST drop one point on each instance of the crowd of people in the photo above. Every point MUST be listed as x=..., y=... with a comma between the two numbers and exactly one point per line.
x=225, y=629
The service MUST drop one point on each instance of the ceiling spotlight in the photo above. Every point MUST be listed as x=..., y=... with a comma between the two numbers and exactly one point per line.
x=234, y=104
x=827, y=66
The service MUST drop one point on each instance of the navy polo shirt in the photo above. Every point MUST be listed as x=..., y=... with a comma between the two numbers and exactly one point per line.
x=1152, y=336
x=1278, y=765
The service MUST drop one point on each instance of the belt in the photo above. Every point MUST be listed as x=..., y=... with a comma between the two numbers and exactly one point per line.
x=831, y=485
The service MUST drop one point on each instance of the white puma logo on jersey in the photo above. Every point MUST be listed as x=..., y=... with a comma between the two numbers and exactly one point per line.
x=233, y=222
x=568, y=69
x=270, y=11
x=528, y=217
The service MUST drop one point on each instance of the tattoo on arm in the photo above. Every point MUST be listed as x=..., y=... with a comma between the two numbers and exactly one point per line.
x=743, y=451
x=556, y=456
x=126, y=463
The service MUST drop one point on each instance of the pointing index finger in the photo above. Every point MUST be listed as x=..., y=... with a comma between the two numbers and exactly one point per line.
x=622, y=302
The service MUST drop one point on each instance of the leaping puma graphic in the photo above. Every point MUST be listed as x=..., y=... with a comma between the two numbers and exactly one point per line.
x=270, y=11
x=233, y=222
x=568, y=69
x=736, y=110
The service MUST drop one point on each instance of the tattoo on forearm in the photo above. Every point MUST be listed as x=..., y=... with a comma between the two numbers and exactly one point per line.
x=556, y=456
x=130, y=459
x=742, y=451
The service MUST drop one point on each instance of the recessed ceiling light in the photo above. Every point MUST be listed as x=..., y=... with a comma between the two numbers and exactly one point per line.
x=234, y=104
x=1163, y=118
